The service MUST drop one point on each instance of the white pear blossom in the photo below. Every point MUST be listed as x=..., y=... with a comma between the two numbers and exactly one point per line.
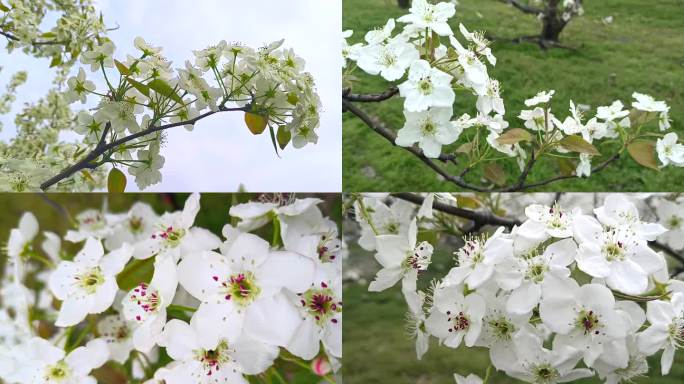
x=670, y=151
x=478, y=257
x=455, y=317
x=88, y=283
x=390, y=59
x=431, y=16
x=402, y=258
x=543, y=97
x=431, y=129
x=665, y=331
x=426, y=87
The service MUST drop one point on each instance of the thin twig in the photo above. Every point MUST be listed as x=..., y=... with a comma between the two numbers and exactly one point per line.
x=102, y=148
x=370, y=97
x=524, y=7
x=377, y=126
x=479, y=218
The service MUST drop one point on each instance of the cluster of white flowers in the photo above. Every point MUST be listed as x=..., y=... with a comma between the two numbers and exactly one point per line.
x=269, y=84
x=562, y=296
x=432, y=71
x=223, y=309
x=568, y=8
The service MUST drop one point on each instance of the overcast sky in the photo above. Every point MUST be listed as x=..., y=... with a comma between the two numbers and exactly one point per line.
x=220, y=154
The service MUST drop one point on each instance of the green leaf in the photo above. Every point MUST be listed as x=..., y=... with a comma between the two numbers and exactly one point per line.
x=284, y=136
x=273, y=139
x=122, y=68
x=514, y=135
x=142, y=88
x=464, y=148
x=46, y=35
x=56, y=60
x=429, y=236
x=494, y=173
x=463, y=201
x=644, y=153
x=3, y=7
x=116, y=181
x=565, y=166
x=164, y=89
x=292, y=98
x=136, y=272
x=575, y=143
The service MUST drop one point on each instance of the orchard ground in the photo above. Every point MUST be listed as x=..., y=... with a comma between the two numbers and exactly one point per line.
x=377, y=348
x=641, y=50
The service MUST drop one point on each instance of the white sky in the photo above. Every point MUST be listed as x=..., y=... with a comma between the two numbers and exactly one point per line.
x=220, y=154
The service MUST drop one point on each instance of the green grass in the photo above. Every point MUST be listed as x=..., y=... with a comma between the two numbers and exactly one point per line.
x=378, y=350
x=642, y=50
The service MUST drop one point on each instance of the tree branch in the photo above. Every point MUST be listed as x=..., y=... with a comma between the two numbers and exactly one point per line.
x=102, y=148
x=377, y=126
x=33, y=42
x=524, y=7
x=371, y=97
x=479, y=218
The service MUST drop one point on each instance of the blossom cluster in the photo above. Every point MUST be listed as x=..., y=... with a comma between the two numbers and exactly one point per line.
x=222, y=308
x=568, y=8
x=430, y=64
x=566, y=294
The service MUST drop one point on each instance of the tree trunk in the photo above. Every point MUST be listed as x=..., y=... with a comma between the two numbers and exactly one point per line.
x=553, y=23
x=405, y=4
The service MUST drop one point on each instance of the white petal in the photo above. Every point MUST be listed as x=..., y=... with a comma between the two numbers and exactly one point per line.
x=385, y=278
x=28, y=225
x=104, y=295
x=91, y=253
x=254, y=356
x=628, y=277
x=190, y=210
x=114, y=262
x=165, y=278
x=285, y=270
x=247, y=252
x=85, y=359
x=391, y=250
x=199, y=239
x=273, y=320
x=202, y=273
x=73, y=311
x=179, y=339
x=305, y=342
x=524, y=299
x=213, y=322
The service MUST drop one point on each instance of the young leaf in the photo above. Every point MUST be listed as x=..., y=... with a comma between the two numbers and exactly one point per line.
x=46, y=35
x=164, y=89
x=465, y=148
x=575, y=143
x=122, y=68
x=284, y=136
x=494, y=173
x=3, y=7
x=514, y=135
x=464, y=201
x=116, y=181
x=565, y=166
x=273, y=140
x=56, y=60
x=256, y=123
x=644, y=153
x=142, y=88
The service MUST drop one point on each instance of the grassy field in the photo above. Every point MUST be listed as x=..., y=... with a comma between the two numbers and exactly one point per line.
x=642, y=50
x=378, y=350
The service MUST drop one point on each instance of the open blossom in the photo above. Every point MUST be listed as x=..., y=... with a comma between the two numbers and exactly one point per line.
x=241, y=289
x=477, y=258
x=528, y=275
x=612, y=112
x=101, y=55
x=553, y=220
x=584, y=317
x=432, y=16
x=426, y=87
x=390, y=59
x=20, y=243
x=79, y=87
x=118, y=334
x=543, y=97
x=618, y=211
x=88, y=283
x=614, y=254
x=175, y=235
x=224, y=361
x=671, y=216
x=401, y=257
x=470, y=379
x=539, y=365
x=145, y=305
x=670, y=151
x=647, y=103
x=455, y=317
x=394, y=219
x=321, y=310
x=665, y=331
x=49, y=364
x=481, y=43
x=431, y=129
